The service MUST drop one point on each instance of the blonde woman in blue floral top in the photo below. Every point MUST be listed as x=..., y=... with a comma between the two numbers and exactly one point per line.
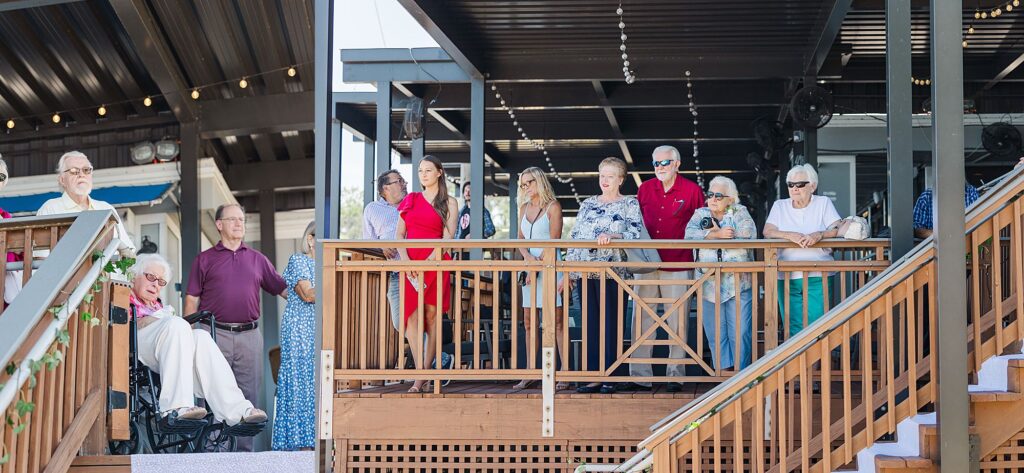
x=606, y=217
x=724, y=219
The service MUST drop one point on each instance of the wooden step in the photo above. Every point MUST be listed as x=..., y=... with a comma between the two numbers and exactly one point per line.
x=894, y=464
x=996, y=396
x=1015, y=375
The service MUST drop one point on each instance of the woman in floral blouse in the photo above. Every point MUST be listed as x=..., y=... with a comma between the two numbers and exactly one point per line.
x=606, y=217
x=724, y=219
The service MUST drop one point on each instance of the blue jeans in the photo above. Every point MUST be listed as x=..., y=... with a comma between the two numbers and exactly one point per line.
x=727, y=333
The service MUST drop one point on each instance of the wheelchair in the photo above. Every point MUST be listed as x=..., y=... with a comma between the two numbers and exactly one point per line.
x=161, y=435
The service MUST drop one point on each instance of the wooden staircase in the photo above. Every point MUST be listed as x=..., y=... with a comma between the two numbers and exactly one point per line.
x=877, y=352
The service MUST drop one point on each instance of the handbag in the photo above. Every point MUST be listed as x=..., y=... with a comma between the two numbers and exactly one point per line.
x=642, y=255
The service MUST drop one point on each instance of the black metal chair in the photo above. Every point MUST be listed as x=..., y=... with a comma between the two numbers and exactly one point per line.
x=162, y=434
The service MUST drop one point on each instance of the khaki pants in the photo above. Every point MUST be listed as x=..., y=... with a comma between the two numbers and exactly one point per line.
x=244, y=353
x=190, y=365
x=643, y=320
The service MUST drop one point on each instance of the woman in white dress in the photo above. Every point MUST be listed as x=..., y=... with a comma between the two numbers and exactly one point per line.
x=541, y=220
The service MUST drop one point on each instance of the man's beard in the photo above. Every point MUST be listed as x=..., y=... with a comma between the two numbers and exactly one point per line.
x=82, y=189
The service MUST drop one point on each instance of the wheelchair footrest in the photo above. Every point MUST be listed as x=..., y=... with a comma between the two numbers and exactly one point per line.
x=242, y=429
x=181, y=426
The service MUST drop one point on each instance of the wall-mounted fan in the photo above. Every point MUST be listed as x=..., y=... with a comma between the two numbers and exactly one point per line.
x=1003, y=140
x=811, y=107
x=769, y=134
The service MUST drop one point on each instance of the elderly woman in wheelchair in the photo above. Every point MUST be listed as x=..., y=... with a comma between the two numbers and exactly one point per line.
x=188, y=360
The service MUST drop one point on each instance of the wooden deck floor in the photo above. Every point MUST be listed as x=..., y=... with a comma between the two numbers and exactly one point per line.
x=497, y=390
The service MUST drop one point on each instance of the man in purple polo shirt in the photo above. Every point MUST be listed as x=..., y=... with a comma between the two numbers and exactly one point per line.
x=226, y=280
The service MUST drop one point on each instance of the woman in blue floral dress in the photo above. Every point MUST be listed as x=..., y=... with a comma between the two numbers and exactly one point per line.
x=295, y=419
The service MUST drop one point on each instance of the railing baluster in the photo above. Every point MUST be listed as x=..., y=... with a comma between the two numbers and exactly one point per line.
x=29, y=245
x=458, y=330
x=997, y=283
x=890, y=365
x=912, y=350
x=364, y=299
x=758, y=414
x=737, y=437
x=806, y=396
x=867, y=375
x=717, y=342
x=826, y=403
x=976, y=300
x=602, y=313
x=346, y=316
x=476, y=322
x=1018, y=271
x=584, y=318
x=716, y=445
x=781, y=420
x=847, y=394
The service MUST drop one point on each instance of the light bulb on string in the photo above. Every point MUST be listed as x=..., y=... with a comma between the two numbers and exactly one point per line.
x=292, y=71
x=195, y=94
x=243, y=83
x=10, y=124
x=56, y=118
x=147, y=101
x=102, y=111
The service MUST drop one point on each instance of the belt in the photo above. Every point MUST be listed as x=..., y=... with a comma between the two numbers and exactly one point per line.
x=234, y=327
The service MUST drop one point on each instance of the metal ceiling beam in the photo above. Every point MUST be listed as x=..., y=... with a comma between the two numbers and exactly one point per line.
x=87, y=129
x=357, y=122
x=437, y=19
x=270, y=175
x=401, y=65
x=259, y=114
x=602, y=98
x=156, y=55
x=22, y=4
x=459, y=129
x=830, y=27
x=1012, y=66
x=657, y=65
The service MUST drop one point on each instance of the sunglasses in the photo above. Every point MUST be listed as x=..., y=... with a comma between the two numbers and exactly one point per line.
x=798, y=185
x=153, y=278
x=716, y=195
x=663, y=162
x=526, y=184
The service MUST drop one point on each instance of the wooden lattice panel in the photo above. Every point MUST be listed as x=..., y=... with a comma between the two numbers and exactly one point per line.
x=509, y=456
x=1009, y=457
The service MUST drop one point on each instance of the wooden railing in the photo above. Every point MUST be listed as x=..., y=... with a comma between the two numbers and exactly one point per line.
x=848, y=380
x=55, y=345
x=483, y=326
x=21, y=238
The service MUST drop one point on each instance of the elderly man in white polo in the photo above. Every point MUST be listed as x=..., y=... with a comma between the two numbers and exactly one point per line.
x=74, y=176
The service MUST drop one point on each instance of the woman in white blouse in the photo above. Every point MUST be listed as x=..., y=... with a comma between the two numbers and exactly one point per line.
x=804, y=219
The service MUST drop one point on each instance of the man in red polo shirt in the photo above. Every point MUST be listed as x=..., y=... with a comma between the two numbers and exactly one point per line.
x=667, y=203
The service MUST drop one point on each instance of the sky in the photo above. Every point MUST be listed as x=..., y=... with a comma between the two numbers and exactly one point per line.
x=370, y=24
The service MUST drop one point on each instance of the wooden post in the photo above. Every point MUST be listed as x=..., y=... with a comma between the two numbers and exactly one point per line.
x=548, y=362
x=117, y=420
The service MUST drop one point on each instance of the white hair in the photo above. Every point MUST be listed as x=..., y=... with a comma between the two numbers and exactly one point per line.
x=730, y=187
x=3, y=169
x=70, y=154
x=146, y=260
x=667, y=149
x=805, y=169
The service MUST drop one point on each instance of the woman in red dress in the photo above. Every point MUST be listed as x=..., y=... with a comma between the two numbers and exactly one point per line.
x=428, y=215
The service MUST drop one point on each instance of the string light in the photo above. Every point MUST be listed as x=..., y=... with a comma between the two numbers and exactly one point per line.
x=148, y=100
x=920, y=81
x=537, y=144
x=627, y=72
x=696, y=135
x=994, y=12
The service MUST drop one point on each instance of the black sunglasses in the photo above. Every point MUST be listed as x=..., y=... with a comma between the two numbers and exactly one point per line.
x=716, y=195
x=663, y=162
x=798, y=185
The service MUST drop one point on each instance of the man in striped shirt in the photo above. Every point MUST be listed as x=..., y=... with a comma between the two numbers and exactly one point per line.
x=380, y=218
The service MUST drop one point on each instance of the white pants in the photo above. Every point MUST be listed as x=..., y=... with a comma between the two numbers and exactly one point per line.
x=190, y=364
x=673, y=291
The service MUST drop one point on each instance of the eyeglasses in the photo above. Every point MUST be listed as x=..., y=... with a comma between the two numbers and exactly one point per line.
x=3, y=177
x=717, y=196
x=78, y=171
x=798, y=185
x=153, y=278
x=398, y=181
x=233, y=219
x=526, y=184
x=663, y=162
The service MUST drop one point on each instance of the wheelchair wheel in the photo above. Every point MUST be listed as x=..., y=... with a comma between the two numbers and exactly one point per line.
x=160, y=442
x=215, y=439
x=131, y=446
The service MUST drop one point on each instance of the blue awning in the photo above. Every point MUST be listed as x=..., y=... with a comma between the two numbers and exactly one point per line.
x=118, y=196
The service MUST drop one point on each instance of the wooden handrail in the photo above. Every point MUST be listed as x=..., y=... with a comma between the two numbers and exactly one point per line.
x=54, y=342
